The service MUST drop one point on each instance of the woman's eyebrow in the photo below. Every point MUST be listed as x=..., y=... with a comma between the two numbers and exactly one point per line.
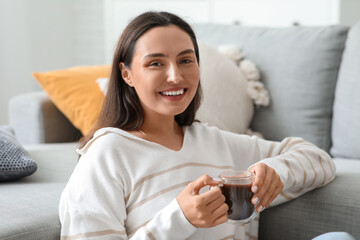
x=154, y=55
x=186, y=52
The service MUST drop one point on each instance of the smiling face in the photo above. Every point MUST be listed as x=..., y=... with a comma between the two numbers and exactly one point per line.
x=164, y=71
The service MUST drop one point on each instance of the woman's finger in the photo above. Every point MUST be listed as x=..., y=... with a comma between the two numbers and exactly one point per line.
x=274, y=181
x=221, y=210
x=266, y=198
x=221, y=219
x=267, y=181
x=273, y=190
x=259, y=171
x=204, y=180
x=216, y=203
x=210, y=196
x=276, y=192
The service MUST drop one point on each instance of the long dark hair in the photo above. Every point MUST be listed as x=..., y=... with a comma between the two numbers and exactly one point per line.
x=122, y=108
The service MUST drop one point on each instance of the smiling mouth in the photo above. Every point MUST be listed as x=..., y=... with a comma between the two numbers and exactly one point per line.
x=174, y=93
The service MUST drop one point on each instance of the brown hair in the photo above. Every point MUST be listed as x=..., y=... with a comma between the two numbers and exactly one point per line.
x=122, y=108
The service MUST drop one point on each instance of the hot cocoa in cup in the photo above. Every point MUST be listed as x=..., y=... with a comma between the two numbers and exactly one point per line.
x=236, y=187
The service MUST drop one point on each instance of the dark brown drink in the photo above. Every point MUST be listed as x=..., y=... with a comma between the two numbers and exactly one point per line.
x=238, y=198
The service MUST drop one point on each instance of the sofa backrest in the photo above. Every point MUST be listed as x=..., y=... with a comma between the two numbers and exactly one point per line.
x=346, y=120
x=299, y=67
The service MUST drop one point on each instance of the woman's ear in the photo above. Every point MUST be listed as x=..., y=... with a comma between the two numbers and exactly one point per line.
x=126, y=74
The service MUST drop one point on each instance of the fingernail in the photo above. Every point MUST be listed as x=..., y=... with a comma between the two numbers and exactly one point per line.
x=255, y=201
x=261, y=208
x=254, y=189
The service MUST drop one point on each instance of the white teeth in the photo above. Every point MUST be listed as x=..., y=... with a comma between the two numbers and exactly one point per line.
x=173, y=93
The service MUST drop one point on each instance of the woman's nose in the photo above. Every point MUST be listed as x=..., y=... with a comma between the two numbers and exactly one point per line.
x=174, y=74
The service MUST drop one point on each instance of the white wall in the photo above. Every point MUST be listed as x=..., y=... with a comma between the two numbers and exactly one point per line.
x=43, y=35
x=34, y=36
x=350, y=12
x=89, y=32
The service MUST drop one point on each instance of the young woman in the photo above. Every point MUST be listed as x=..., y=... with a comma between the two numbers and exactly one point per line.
x=142, y=167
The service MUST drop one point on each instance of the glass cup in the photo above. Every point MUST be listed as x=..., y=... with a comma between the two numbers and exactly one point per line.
x=236, y=187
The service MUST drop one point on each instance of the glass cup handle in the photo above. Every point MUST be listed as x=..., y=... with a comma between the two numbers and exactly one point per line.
x=218, y=180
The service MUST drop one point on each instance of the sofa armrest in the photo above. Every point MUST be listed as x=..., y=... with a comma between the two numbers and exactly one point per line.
x=55, y=161
x=334, y=207
x=35, y=119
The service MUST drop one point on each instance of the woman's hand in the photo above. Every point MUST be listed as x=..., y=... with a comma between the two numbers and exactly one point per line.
x=266, y=187
x=203, y=210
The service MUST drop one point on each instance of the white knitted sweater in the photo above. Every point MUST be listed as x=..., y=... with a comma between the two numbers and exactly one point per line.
x=125, y=187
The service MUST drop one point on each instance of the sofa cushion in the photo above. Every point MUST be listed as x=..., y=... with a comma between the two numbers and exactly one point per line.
x=226, y=103
x=346, y=120
x=15, y=162
x=75, y=93
x=299, y=67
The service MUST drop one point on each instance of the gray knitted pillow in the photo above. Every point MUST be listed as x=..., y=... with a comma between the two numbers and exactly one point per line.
x=15, y=162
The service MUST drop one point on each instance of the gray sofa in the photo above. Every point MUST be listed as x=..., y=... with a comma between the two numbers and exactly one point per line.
x=313, y=77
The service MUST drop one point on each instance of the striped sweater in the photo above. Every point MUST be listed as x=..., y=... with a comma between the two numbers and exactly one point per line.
x=125, y=187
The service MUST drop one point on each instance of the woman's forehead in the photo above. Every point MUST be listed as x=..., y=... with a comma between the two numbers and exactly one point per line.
x=164, y=39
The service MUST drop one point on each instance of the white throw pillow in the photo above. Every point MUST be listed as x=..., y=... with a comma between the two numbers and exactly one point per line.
x=226, y=103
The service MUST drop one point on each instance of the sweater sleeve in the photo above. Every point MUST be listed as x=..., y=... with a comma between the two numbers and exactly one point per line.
x=92, y=206
x=301, y=165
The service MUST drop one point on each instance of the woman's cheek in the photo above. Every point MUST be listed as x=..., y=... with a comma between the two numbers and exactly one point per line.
x=193, y=74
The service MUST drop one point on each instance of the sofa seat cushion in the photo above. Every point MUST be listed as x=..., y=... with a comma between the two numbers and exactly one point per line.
x=327, y=209
x=299, y=67
x=29, y=206
x=346, y=121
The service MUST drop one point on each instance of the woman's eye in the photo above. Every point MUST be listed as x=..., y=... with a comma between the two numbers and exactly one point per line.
x=155, y=64
x=186, y=60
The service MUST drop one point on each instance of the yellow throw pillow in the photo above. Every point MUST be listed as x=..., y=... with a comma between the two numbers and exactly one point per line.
x=76, y=93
